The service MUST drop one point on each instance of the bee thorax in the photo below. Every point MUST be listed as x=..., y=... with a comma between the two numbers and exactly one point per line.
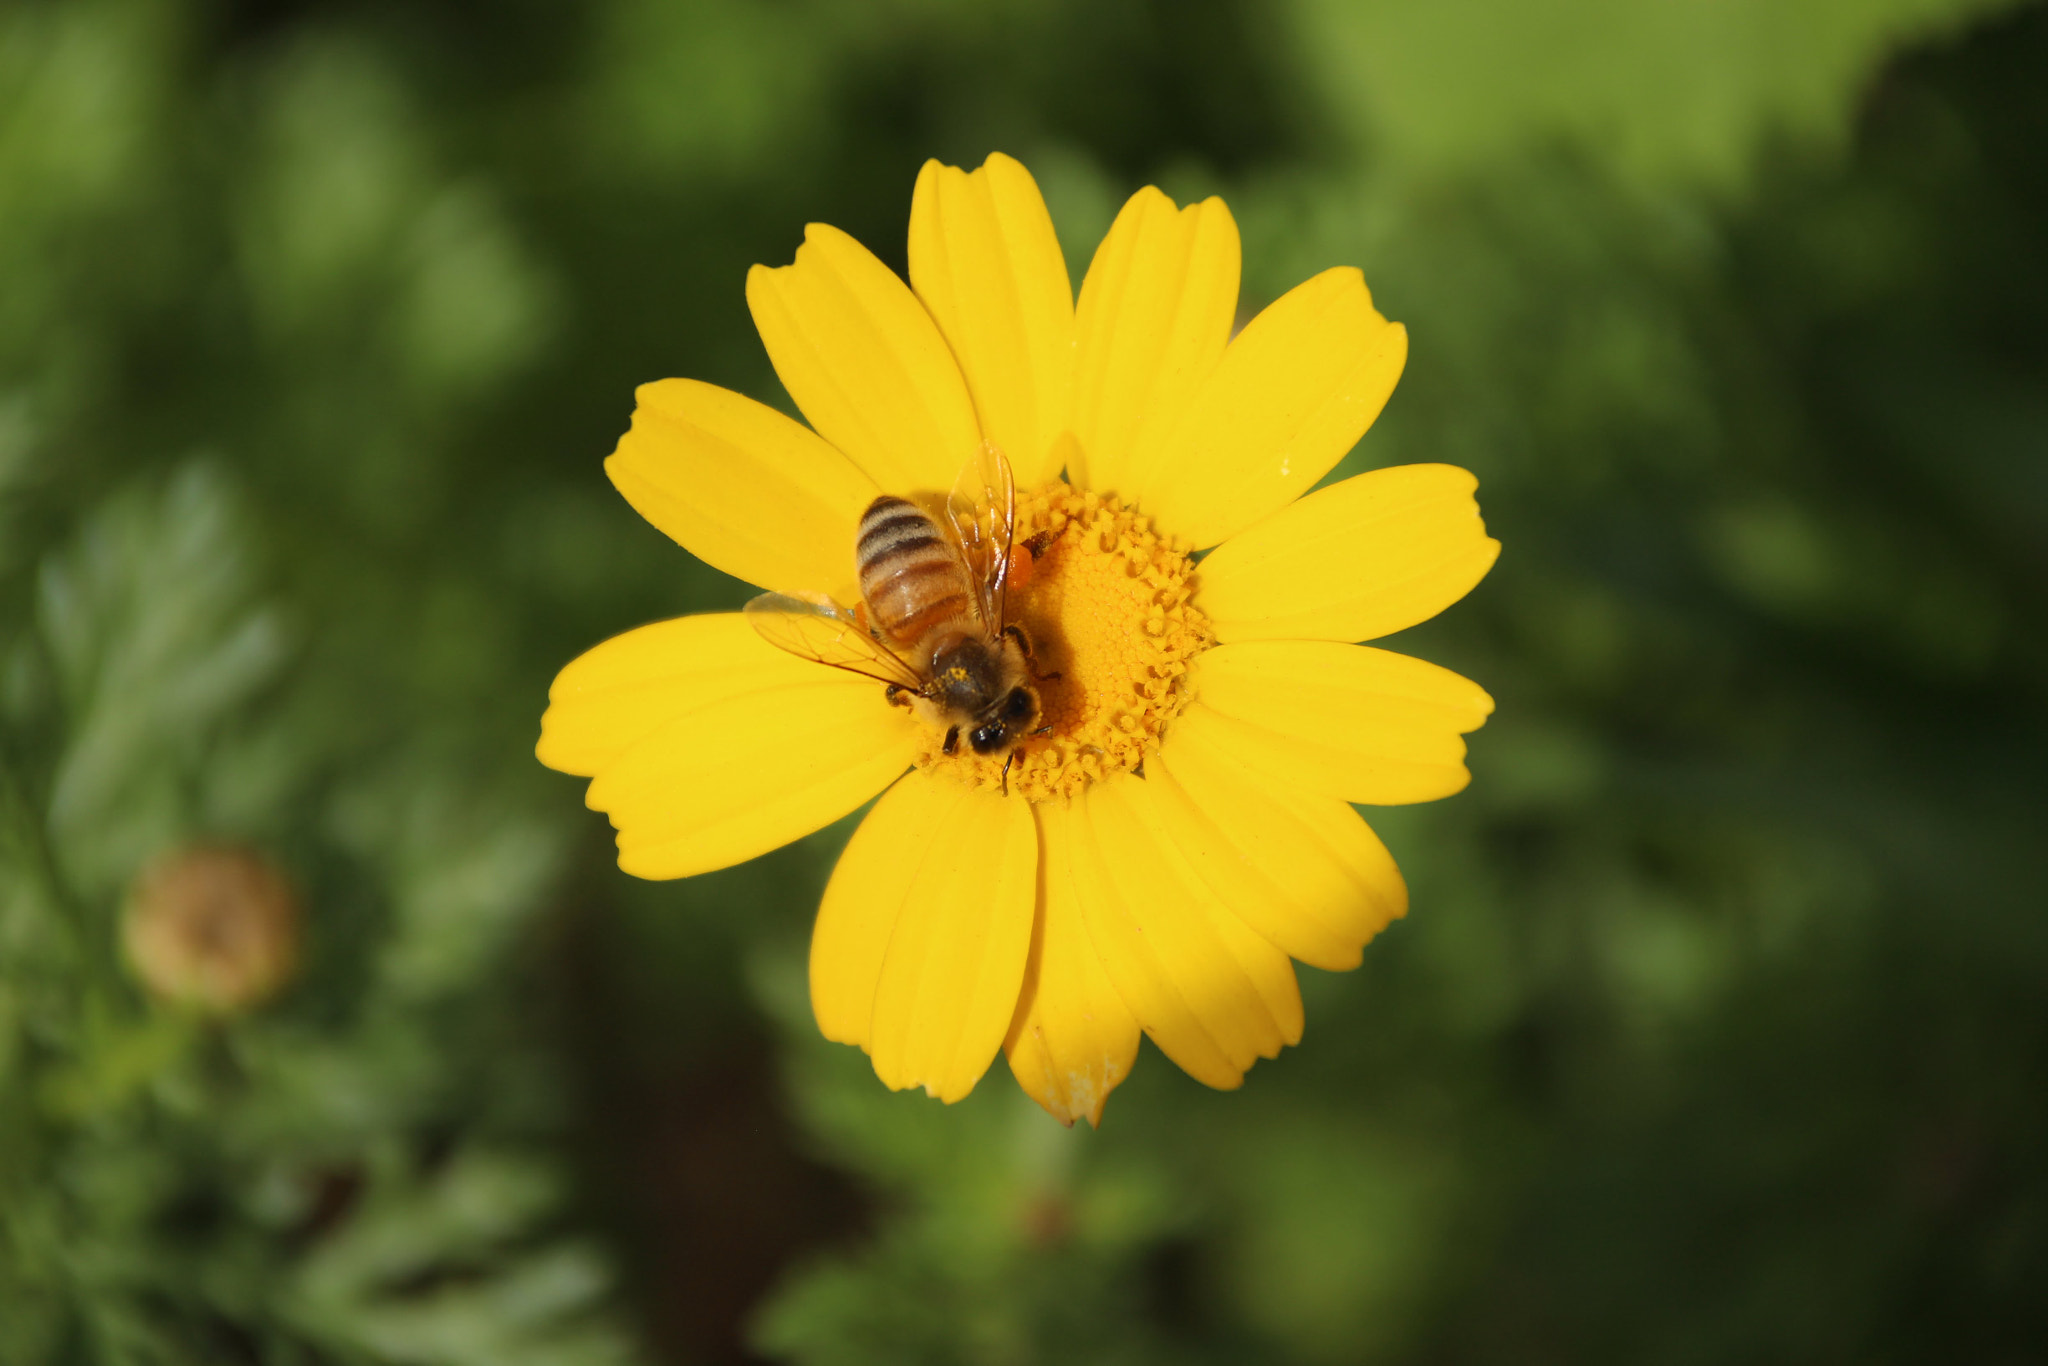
x=967, y=675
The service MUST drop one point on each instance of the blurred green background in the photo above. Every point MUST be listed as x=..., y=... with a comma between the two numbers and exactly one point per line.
x=1719, y=1030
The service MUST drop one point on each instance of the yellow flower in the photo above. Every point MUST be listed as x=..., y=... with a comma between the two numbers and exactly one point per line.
x=1183, y=829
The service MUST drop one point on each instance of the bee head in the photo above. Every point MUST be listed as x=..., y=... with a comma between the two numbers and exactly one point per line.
x=1010, y=717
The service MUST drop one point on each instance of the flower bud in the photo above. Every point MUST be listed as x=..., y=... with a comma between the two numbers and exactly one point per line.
x=214, y=928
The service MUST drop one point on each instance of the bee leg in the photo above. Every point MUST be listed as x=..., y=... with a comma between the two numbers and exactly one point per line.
x=1006, y=771
x=1045, y=729
x=952, y=743
x=896, y=695
x=1016, y=633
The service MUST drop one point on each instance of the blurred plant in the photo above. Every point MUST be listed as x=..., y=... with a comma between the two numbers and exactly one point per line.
x=270, y=1182
x=1676, y=94
x=1716, y=1032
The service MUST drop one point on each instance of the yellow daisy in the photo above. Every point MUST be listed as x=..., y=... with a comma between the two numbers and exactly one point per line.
x=1181, y=827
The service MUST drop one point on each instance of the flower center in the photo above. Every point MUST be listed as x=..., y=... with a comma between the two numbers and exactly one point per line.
x=1105, y=600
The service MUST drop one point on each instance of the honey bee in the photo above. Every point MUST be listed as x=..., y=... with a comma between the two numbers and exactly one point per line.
x=933, y=625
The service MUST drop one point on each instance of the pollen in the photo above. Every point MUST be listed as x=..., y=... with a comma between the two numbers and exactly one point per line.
x=1105, y=600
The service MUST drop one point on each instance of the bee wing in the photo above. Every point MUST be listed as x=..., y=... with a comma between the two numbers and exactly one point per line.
x=813, y=627
x=983, y=512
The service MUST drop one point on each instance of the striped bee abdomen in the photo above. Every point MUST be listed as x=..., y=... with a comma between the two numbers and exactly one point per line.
x=911, y=577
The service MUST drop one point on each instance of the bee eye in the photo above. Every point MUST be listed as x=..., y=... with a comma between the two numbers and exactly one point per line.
x=1017, y=705
x=986, y=739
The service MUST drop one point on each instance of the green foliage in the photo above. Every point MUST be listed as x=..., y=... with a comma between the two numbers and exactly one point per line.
x=1680, y=91
x=1715, y=1032
x=350, y=1175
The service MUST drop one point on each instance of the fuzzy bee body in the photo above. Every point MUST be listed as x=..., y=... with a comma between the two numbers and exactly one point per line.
x=935, y=628
x=912, y=578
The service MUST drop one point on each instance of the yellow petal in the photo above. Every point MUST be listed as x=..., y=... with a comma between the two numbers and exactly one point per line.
x=1213, y=994
x=1344, y=721
x=1303, y=870
x=1072, y=1039
x=865, y=363
x=616, y=694
x=862, y=902
x=709, y=746
x=741, y=487
x=1155, y=313
x=1363, y=558
x=955, y=967
x=1294, y=392
x=984, y=260
x=920, y=946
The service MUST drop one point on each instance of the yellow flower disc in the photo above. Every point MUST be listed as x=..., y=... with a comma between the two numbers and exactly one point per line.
x=1105, y=601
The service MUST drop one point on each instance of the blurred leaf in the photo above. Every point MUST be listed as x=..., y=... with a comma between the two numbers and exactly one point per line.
x=156, y=641
x=1681, y=91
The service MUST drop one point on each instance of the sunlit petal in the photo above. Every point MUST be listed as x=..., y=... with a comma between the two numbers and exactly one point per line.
x=708, y=746
x=1303, y=870
x=1294, y=392
x=984, y=260
x=865, y=362
x=1344, y=721
x=1363, y=558
x=921, y=942
x=1155, y=312
x=1073, y=1040
x=741, y=487
x=1212, y=993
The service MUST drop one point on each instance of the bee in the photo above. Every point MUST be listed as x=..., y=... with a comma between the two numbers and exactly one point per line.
x=933, y=625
